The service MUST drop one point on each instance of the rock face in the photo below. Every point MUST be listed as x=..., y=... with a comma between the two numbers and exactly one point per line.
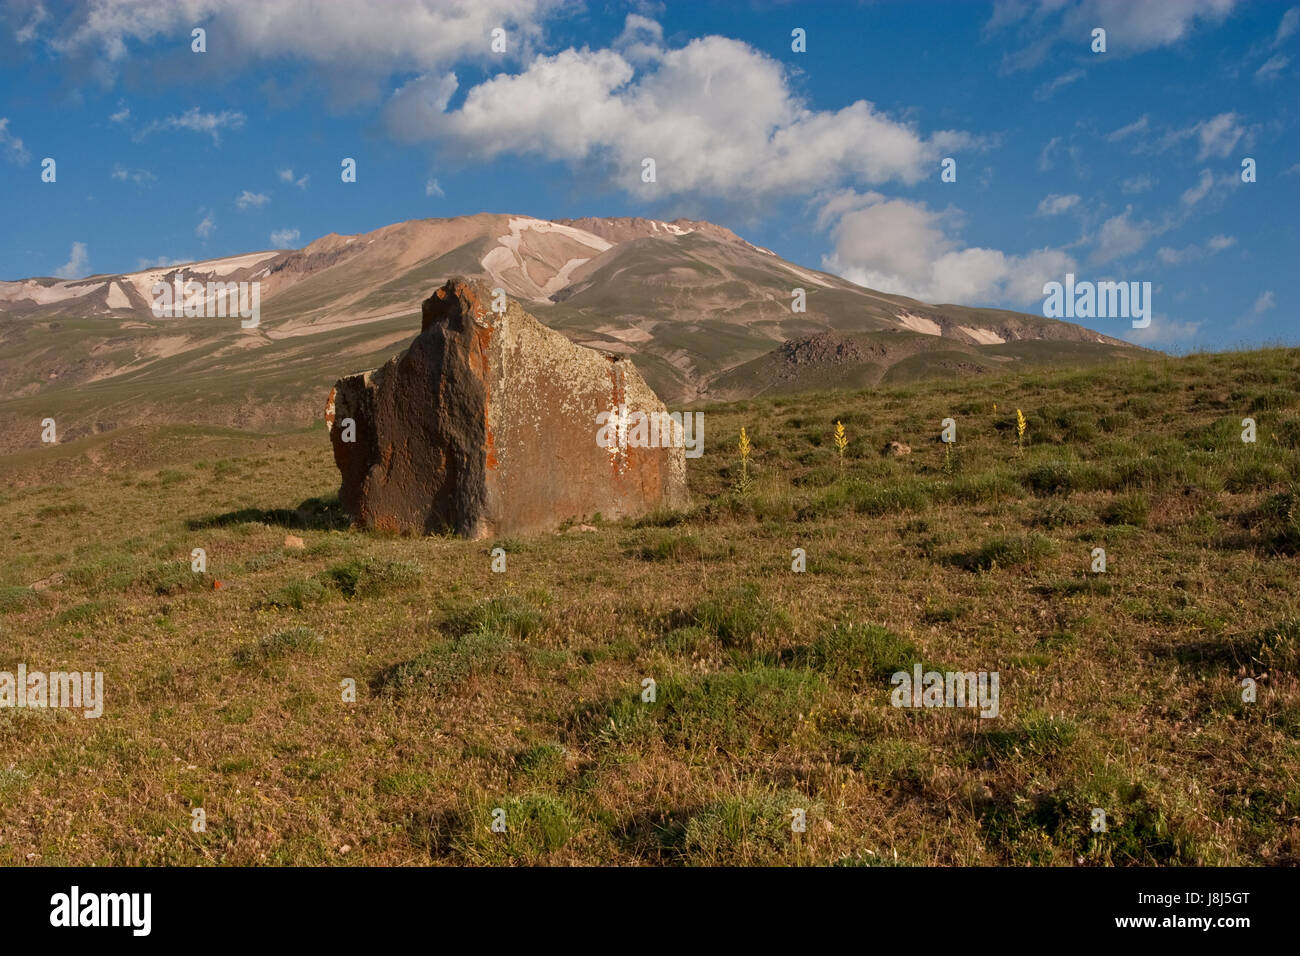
x=487, y=425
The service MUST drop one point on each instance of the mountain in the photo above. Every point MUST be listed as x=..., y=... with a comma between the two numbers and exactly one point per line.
x=702, y=313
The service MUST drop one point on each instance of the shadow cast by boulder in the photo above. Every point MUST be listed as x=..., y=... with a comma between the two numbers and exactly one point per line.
x=314, y=514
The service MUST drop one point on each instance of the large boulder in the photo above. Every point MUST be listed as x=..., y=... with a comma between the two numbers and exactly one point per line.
x=487, y=425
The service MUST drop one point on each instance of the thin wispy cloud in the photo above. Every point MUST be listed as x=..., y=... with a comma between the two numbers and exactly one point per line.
x=1143, y=182
x=286, y=176
x=140, y=177
x=1192, y=253
x=1272, y=68
x=1139, y=126
x=1198, y=192
x=251, y=200
x=1123, y=235
x=10, y=145
x=28, y=31
x=1054, y=205
x=1047, y=90
x=162, y=262
x=195, y=120
x=1041, y=30
x=1287, y=26
x=1164, y=332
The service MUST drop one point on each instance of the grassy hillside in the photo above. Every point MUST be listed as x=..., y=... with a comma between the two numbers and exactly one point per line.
x=280, y=384
x=522, y=690
x=896, y=357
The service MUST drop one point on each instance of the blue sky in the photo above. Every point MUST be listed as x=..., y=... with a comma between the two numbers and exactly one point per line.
x=1123, y=165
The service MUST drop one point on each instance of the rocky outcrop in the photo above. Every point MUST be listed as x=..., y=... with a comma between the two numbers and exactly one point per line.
x=827, y=348
x=487, y=425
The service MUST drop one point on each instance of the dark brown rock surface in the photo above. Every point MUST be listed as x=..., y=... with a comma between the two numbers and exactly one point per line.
x=486, y=425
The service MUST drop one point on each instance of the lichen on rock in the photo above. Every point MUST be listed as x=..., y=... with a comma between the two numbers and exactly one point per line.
x=486, y=425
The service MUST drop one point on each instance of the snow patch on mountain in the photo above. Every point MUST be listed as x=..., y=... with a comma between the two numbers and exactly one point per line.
x=919, y=323
x=982, y=336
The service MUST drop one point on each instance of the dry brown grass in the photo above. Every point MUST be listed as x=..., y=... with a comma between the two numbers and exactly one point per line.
x=522, y=690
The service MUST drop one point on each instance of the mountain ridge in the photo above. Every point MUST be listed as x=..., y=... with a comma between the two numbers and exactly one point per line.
x=694, y=305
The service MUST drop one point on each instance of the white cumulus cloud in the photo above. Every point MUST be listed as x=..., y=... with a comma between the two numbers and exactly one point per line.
x=76, y=264
x=718, y=118
x=354, y=44
x=900, y=246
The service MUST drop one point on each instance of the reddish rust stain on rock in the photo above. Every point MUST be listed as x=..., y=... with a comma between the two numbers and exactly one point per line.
x=482, y=343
